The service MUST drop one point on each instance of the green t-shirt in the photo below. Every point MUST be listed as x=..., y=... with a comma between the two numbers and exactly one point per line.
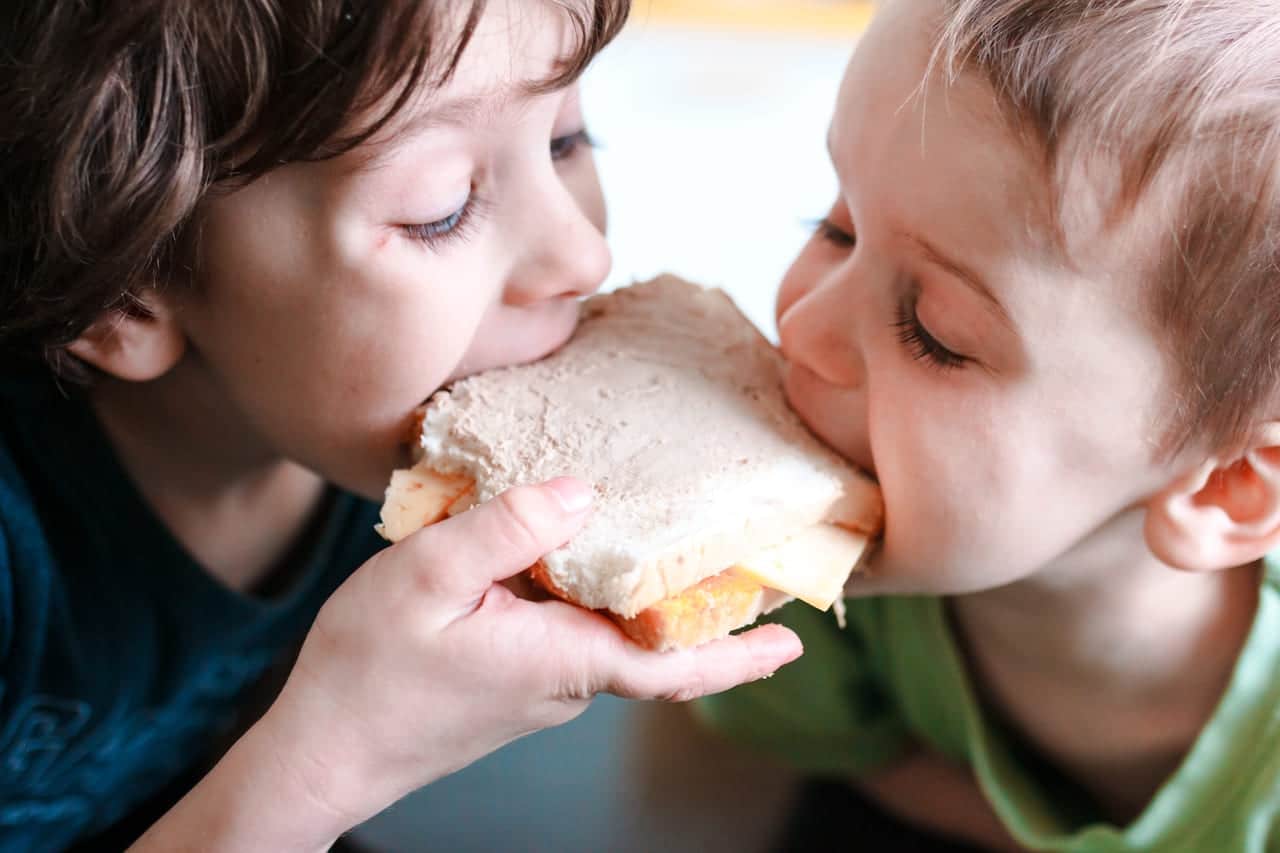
x=895, y=675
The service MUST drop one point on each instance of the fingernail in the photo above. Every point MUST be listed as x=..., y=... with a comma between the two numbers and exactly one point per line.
x=574, y=495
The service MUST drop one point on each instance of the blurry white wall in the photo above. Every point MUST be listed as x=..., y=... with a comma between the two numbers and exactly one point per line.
x=713, y=152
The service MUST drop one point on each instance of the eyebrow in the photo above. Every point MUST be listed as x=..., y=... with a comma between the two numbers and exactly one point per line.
x=462, y=111
x=966, y=275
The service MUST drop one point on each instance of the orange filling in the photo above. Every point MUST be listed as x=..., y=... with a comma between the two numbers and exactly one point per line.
x=707, y=610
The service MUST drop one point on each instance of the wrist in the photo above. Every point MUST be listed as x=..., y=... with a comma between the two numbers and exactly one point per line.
x=262, y=795
x=310, y=766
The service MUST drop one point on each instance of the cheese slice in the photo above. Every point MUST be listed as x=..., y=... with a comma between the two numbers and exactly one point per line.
x=420, y=497
x=812, y=566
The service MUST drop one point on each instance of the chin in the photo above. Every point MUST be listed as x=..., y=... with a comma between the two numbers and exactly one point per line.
x=367, y=472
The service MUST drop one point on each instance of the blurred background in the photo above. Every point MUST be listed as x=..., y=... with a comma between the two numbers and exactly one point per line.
x=712, y=117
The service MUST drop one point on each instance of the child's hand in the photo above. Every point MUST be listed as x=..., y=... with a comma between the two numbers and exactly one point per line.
x=423, y=661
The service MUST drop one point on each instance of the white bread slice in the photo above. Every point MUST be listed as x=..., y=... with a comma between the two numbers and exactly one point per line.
x=670, y=402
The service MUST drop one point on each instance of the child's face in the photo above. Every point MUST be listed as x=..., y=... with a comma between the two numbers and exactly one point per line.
x=1005, y=396
x=336, y=296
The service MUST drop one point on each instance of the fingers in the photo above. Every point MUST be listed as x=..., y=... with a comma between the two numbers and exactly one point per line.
x=627, y=670
x=464, y=555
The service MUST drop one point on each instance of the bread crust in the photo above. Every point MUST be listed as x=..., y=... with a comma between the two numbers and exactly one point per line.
x=706, y=611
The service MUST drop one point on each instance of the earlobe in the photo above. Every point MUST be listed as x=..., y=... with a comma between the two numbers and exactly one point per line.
x=136, y=345
x=1222, y=514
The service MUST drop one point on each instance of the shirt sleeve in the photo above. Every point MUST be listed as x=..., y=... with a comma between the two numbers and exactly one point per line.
x=829, y=712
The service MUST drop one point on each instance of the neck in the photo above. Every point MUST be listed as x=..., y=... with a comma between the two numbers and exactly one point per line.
x=1110, y=662
x=1111, y=612
x=233, y=503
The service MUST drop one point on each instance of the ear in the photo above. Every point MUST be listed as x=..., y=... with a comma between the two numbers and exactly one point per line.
x=137, y=344
x=1222, y=514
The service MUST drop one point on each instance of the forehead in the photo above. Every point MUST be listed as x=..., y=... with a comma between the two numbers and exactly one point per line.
x=512, y=53
x=944, y=151
x=975, y=174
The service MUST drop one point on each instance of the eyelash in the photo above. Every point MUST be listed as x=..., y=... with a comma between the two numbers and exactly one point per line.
x=833, y=234
x=911, y=332
x=915, y=337
x=453, y=228
x=457, y=225
x=564, y=147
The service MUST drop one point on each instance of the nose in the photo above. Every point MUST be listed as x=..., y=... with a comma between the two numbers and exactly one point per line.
x=817, y=330
x=565, y=256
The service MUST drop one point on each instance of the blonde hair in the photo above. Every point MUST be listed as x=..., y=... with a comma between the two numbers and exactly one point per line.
x=1183, y=95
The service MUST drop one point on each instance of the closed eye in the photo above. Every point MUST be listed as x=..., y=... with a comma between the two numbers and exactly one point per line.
x=564, y=147
x=831, y=233
x=922, y=345
x=456, y=226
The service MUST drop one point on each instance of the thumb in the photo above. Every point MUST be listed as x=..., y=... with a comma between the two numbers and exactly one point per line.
x=461, y=557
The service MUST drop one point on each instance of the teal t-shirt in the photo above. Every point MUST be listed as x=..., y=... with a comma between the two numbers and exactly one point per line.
x=857, y=698
x=122, y=661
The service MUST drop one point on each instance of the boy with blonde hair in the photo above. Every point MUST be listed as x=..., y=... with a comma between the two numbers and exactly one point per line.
x=1045, y=311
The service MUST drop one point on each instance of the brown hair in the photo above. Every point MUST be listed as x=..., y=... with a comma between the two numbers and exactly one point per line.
x=1184, y=97
x=118, y=117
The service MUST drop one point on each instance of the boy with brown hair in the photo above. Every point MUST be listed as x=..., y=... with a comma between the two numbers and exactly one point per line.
x=239, y=243
x=1045, y=311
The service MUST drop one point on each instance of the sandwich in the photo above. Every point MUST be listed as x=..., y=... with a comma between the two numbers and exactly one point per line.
x=713, y=502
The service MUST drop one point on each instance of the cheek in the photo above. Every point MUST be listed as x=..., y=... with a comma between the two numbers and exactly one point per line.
x=352, y=349
x=345, y=393
x=983, y=489
x=956, y=505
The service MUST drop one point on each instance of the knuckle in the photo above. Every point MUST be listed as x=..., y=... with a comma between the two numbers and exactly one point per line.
x=413, y=562
x=670, y=677
x=521, y=520
x=580, y=679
